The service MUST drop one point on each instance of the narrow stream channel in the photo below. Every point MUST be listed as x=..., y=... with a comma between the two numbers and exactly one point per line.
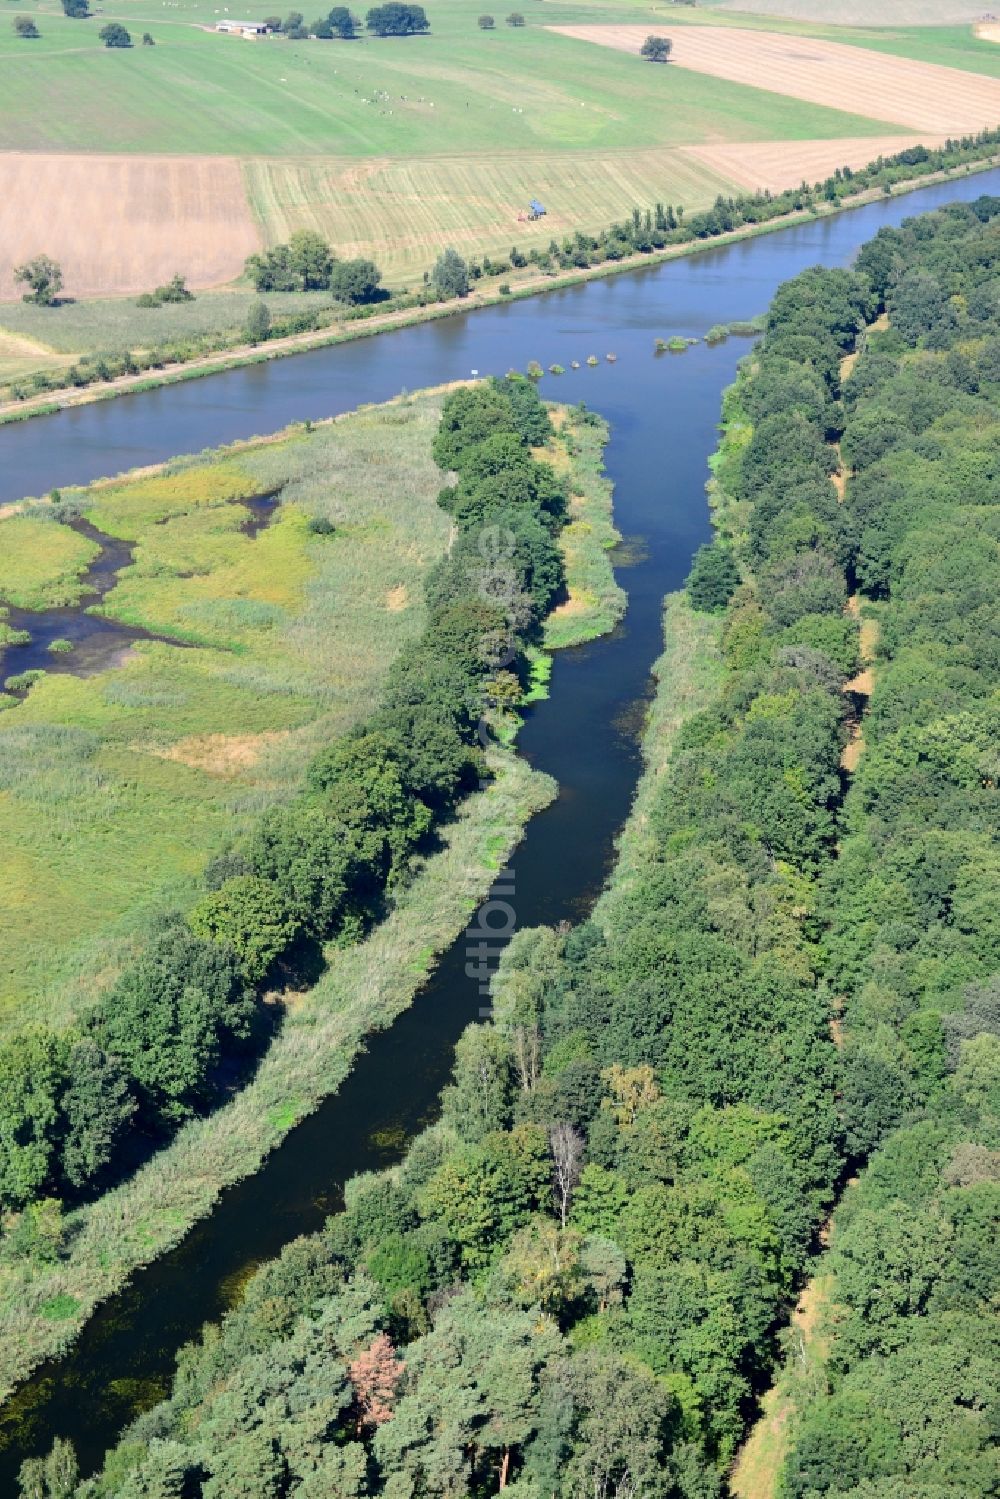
x=91, y=642
x=663, y=413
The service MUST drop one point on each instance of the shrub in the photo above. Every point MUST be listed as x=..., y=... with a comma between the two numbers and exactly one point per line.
x=249, y=916
x=395, y=19
x=258, y=324
x=23, y=680
x=355, y=281
x=43, y=276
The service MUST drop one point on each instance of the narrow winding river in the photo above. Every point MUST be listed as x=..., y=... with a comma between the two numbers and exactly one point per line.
x=663, y=411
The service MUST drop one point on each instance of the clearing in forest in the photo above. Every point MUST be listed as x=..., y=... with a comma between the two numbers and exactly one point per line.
x=920, y=96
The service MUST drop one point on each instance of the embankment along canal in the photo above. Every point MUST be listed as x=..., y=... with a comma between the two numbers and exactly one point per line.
x=663, y=412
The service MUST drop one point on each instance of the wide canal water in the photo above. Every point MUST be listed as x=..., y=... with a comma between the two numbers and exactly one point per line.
x=663, y=412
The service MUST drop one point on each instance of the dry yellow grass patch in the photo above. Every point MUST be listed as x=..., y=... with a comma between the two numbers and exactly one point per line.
x=397, y=599
x=218, y=754
x=125, y=223
x=934, y=100
x=775, y=165
x=861, y=685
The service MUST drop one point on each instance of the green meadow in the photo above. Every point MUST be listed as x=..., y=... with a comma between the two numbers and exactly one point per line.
x=116, y=789
x=197, y=91
x=117, y=323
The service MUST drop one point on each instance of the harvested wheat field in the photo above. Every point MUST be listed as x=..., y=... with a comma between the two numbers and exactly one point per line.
x=861, y=12
x=402, y=212
x=776, y=165
x=125, y=223
x=920, y=96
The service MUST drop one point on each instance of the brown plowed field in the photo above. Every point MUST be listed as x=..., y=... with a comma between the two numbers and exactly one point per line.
x=780, y=164
x=125, y=223
x=921, y=96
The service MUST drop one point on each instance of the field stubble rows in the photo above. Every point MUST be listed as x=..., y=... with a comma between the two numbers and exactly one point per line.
x=125, y=223
x=402, y=213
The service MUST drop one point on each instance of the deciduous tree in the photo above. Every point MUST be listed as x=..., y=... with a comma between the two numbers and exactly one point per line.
x=656, y=48
x=115, y=35
x=44, y=276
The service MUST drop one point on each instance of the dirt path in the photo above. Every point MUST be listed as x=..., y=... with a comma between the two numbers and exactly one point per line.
x=760, y=1460
x=860, y=686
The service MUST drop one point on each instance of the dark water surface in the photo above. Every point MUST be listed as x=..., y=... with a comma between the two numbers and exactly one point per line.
x=98, y=641
x=663, y=411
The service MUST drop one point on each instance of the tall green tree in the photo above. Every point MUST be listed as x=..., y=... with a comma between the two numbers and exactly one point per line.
x=43, y=276
x=450, y=276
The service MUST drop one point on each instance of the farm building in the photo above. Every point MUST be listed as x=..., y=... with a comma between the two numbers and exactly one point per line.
x=248, y=29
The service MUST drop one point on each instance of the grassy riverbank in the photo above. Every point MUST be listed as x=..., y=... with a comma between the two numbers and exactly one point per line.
x=596, y=602
x=42, y=1308
x=688, y=675
x=283, y=638
x=364, y=987
x=524, y=284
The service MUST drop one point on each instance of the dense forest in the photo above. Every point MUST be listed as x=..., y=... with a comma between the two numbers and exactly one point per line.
x=575, y=1282
x=907, y=1405
x=180, y=1021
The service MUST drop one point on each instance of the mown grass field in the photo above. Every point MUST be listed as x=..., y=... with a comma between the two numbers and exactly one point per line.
x=115, y=789
x=860, y=12
x=401, y=212
x=392, y=147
